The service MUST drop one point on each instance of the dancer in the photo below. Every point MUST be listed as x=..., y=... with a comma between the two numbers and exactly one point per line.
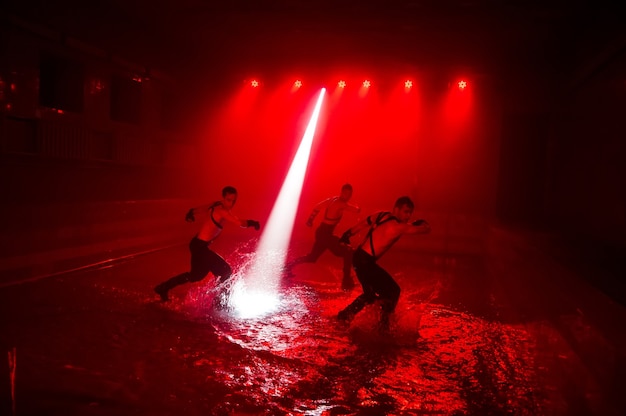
x=383, y=230
x=334, y=208
x=203, y=259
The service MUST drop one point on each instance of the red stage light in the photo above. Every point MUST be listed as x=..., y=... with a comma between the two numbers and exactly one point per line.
x=366, y=84
x=254, y=83
x=462, y=85
x=408, y=84
x=297, y=84
x=341, y=84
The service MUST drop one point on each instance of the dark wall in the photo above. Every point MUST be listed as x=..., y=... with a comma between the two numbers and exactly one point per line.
x=586, y=177
x=562, y=147
x=90, y=153
x=562, y=160
x=522, y=173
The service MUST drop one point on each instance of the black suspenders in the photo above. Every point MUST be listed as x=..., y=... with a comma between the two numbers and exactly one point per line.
x=380, y=219
x=211, y=209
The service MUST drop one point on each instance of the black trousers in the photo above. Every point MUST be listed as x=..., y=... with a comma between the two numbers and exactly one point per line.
x=377, y=283
x=203, y=262
x=326, y=240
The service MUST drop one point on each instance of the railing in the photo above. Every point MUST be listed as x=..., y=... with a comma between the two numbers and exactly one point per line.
x=74, y=140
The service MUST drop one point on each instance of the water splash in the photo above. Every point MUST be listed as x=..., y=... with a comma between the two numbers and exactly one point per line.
x=252, y=302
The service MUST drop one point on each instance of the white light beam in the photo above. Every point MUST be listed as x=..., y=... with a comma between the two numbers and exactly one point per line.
x=264, y=274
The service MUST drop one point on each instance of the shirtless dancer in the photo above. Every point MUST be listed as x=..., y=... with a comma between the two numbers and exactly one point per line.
x=385, y=228
x=334, y=208
x=203, y=259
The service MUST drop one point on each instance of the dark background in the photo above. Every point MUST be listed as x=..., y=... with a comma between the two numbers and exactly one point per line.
x=546, y=147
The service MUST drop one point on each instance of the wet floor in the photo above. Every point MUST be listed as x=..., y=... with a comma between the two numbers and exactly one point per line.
x=98, y=342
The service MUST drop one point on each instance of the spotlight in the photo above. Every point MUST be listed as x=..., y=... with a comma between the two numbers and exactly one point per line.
x=254, y=83
x=462, y=85
x=259, y=295
x=366, y=84
x=408, y=84
x=297, y=84
x=341, y=84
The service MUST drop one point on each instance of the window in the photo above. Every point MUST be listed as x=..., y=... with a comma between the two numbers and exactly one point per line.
x=61, y=83
x=125, y=99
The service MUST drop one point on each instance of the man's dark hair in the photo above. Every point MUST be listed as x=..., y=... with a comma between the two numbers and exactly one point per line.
x=228, y=190
x=404, y=200
x=346, y=187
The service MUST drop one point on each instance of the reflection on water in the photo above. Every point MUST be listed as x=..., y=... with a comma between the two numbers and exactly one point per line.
x=299, y=360
x=102, y=343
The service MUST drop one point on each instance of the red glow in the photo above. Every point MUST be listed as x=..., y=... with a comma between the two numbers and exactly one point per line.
x=365, y=88
x=13, y=87
x=254, y=83
x=96, y=86
x=457, y=112
x=355, y=121
x=401, y=115
x=297, y=84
